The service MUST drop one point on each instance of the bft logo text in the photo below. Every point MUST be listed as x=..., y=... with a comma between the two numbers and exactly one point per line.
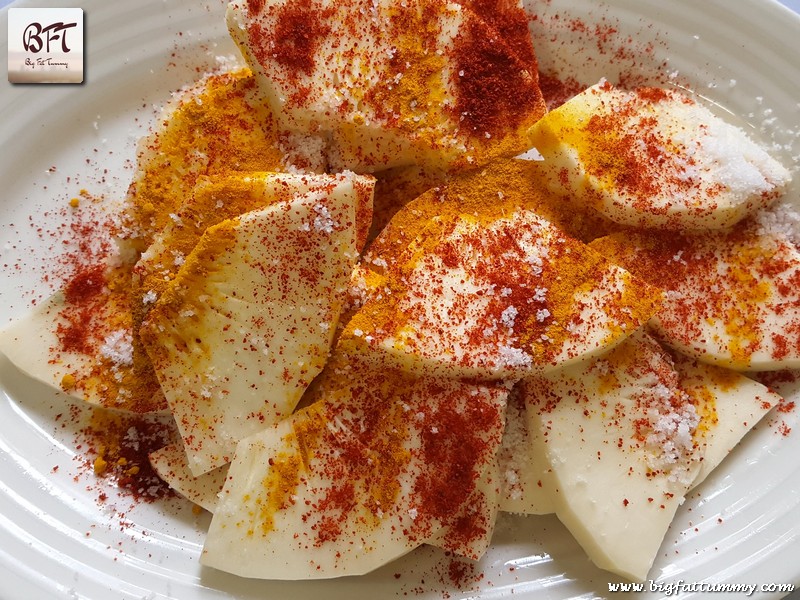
x=45, y=45
x=33, y=40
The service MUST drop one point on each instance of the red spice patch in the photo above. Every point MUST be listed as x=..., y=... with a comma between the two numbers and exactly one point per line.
x=88, y=281
x=116, y=447
x=635, y=171
x=557, y=91
x=511, y=23
x=462, y=573
x=254, y=7
x=778, y=379
x=293, y=42
x=494, y=92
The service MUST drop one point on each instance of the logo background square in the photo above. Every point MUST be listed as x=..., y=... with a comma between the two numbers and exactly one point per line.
x=45, y=45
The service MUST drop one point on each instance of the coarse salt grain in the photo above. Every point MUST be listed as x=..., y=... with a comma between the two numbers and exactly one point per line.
x=323, y=221
x=513, y=357
x=508, y=317
x=672, y=424
x=118, y=347
x=780, y=220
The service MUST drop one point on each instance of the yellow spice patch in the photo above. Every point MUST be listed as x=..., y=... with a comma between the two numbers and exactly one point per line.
x=743, y=320
x=705, y=403
x=68, y=382
x=278, y=486
x=221, y=127
x=100, y=465
x=286, y=468
x=724, y=379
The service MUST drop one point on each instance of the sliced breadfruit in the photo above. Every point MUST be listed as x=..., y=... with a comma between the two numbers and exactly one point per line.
x=731, y=298
x=652, y=157
x=248, y=321
x=382, y=462
x=496, y=295
x=620, y=439
x=219, y=124
x=729, y=404
x=213, y=201
x=171, y=465
x=426, y=82
x=525, y=474
x=80, y=341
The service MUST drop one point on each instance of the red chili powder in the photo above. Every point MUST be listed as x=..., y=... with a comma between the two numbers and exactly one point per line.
x=87, y=282
x=493, y=90
x=255, y=6
x=462, y=573
x=511, y=23
x=451, y=438
x=116, y=446
x=293, y=42
x=557, y=91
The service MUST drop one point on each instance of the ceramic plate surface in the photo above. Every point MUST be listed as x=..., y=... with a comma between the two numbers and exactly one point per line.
x=57, y=540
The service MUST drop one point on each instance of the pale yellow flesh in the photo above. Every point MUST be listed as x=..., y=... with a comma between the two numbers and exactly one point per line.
x=216, y=199
x=549, y=301
x=23, y=341
x=281, y=515
x=602, y=147
x=757, y=324
x=171, y=465
x=101, y=373
x=525, y=474
x=248, y=321
x=731, y=299
x=730, y=405
x=606, y=491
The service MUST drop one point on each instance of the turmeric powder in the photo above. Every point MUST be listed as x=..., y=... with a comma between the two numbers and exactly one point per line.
x=498, y=232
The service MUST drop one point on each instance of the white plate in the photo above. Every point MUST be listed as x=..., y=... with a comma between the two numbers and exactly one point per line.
x=57, y=541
